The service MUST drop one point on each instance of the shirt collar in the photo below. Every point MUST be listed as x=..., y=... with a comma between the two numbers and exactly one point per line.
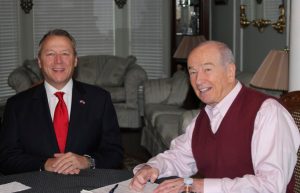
x=226, y=102
x=67, y=89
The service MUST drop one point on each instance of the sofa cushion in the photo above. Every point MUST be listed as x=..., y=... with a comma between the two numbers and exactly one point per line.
x=88, y=68
x=152, y=111
x=117, y=94
x=113, y=71
x=157, y=90
x=179, y=89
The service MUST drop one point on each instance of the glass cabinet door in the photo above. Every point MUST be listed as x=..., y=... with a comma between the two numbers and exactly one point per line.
x=187, y=17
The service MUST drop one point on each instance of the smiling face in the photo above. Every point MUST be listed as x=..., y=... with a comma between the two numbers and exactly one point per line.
x=57, y=60
x=210, y=77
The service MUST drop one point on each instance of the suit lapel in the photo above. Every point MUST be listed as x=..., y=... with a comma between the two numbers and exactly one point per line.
x=40, y=96
x=78, y=108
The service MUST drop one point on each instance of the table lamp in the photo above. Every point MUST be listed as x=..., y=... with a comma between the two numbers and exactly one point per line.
x=273, y=72
x=186, y=45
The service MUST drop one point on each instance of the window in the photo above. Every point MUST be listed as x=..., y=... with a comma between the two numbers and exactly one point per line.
x=91, y=23
x=9, y=45
x=147, y=40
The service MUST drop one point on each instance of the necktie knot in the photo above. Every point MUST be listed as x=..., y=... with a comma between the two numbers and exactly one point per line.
x=59, y=95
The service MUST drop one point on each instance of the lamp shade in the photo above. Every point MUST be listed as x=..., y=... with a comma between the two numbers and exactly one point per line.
x=186, y=45
x=273, y=72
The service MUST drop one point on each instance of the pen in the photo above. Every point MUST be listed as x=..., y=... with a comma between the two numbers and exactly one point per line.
x=113, y=189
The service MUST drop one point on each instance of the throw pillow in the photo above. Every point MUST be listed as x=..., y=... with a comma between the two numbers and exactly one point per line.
x=113, y=71
x=180, y=85
x=87, y=69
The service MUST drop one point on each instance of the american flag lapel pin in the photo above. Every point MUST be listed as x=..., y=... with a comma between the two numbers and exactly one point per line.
x=82, y=102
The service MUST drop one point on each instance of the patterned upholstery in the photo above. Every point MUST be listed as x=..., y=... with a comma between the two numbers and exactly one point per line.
x=291, y=101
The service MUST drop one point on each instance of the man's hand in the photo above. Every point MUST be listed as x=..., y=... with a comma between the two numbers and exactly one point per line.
x=66, y=163
x=170, y=186
x=174, y=185
x=142, y=176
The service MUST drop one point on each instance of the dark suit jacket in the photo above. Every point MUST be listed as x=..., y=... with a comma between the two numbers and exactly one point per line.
x=27, y=138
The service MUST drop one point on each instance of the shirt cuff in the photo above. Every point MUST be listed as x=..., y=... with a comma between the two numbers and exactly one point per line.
x=42, y=167
x=138, y=167
x=212, y=185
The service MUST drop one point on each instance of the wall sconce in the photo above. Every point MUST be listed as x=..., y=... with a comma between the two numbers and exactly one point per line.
x=279, y=25
x=261, y=24
x=26, y=5
x=243, y=17
x=120, y=3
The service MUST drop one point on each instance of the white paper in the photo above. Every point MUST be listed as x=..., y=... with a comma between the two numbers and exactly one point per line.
x=13, y=187
x=85, y=191
x=123, y=187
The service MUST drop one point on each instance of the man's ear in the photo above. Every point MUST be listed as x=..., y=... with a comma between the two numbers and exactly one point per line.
x=231, y=71
x=39, y=62
x=76, y=60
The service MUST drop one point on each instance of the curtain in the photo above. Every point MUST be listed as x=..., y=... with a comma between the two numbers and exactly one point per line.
x=147, y=39
x=91, y=22
x=9, y=45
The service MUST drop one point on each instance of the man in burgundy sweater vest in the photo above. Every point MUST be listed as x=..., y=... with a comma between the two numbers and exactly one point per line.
x=242, y=141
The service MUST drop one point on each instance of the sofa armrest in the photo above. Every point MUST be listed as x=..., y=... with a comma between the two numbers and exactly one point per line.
x=186, y=118
x=135, y=77
x=157, y=90
x=19, y=79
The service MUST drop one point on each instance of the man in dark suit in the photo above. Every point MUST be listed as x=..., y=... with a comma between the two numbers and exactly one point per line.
x=30, y=139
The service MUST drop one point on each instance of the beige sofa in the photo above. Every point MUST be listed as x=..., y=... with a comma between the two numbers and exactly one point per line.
x=118, y=75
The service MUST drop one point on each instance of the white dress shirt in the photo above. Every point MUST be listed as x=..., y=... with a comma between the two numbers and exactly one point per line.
x=53, y=100
x=274, y=146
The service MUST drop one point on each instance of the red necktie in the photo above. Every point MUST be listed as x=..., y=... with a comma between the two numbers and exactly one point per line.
x=61, y=121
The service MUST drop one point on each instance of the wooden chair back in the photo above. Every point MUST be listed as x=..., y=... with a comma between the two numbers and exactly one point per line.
x=291, y=101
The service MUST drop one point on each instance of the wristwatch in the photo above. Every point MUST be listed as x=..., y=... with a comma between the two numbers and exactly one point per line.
x=91, y=161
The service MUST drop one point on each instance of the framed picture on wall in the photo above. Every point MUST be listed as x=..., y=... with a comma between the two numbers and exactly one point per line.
x=221, y=2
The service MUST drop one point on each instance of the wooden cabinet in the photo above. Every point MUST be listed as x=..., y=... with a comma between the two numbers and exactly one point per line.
x=189, y=17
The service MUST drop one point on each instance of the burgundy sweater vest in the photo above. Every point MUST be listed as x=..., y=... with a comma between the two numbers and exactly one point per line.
x=227, y=153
